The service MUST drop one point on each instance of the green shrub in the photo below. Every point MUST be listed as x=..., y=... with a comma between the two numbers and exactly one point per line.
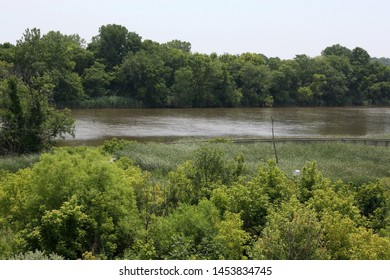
x=73, y=201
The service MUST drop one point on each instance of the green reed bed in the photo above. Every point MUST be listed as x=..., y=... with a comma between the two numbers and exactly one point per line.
x=104, y=102
x=14, y=163
x=355, y=163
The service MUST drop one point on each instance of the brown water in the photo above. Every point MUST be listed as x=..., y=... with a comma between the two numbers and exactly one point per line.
x=96, y=125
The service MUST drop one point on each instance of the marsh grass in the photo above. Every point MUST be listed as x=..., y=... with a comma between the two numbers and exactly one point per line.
x=104, y=102
x=14, y=163
x=158, y=157
x=355, y=163
x=352, y=163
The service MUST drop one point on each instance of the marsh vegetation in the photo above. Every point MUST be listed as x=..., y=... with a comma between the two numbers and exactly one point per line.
x=215, y=200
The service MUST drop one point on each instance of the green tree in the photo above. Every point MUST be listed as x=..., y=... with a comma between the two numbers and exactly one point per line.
x=183, y=89
x=268, y=188
x=310, y=179
x=7, y=52
x=180, y=45
x=374, y=204
x=71, y=202
x=305, y=95
x=249, y=201
x=82, y=57
x=51, y=54
x=196, y=179
x=306, y=68
x=232, y=237
x=337, y=234
x=36, y=255
x=253, y=58
x=213, y=82
x=6, y=69
x=200, y=65
x=66, y=230
x=96, y=80
x=181, y=187
x=221, y=86
x=377, y=84
x=187, y=233
x=318, y=86
x=284, y=82
x=14, y=193
x=293, y=232
x=335, y=88
x=255, y=84
x=368, y=246
x=29, y=123
x=337, y=50
x=275, y=183
x=143, y=77
x=360, y=61
x=113, y=43
x=68, y=87
x=29, y=54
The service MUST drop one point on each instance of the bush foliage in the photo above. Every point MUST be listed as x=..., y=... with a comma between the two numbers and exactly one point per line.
x=79, y=203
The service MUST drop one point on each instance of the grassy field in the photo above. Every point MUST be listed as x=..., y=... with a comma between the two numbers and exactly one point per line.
x=355, y=163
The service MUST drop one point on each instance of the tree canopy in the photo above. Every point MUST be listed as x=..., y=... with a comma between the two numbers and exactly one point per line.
x=28, y=123
x=118, y=62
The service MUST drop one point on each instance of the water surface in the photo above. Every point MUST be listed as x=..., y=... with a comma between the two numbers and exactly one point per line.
x=95, y=125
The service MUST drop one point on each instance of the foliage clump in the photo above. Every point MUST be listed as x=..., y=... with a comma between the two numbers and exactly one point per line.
x=28, y=123
x=70, y=202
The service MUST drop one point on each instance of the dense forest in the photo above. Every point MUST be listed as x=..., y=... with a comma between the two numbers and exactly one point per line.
x=119, y=68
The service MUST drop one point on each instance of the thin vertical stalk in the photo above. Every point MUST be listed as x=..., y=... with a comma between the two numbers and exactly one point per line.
x=274, y=142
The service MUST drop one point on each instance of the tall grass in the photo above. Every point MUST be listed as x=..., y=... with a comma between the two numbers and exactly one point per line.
x=354, y=163
x=104, y=102
x=158, y=157
x=14, y=163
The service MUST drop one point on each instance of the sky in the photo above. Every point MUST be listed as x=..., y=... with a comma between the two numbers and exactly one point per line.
x=275, y=28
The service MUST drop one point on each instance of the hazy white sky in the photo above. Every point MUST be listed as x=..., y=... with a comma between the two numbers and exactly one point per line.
x=273, y=27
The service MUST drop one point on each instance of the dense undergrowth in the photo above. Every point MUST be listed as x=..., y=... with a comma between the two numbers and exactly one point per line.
x=217, y=200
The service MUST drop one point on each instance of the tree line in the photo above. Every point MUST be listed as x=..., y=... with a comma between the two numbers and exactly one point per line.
x=119, y=65
x=78, y=203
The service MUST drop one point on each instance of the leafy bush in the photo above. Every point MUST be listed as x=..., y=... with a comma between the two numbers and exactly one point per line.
x=73, y=201
x=114, y=145
x=293, y=232
x=198, y=232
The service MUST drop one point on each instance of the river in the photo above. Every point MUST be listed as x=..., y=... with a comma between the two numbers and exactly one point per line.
x=95, y=125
